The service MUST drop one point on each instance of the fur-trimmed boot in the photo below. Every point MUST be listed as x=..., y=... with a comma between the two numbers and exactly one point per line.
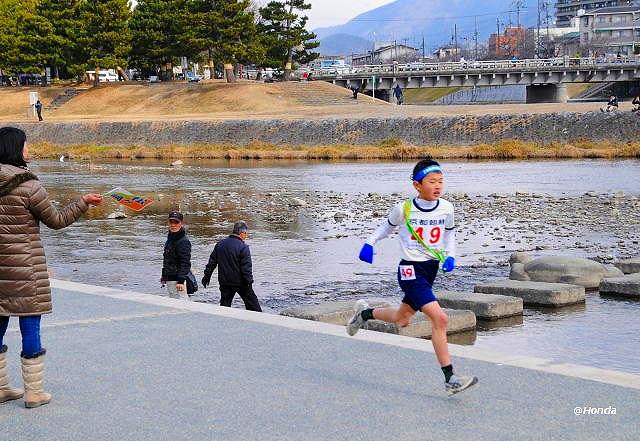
x=6, y=393
x=33, y=376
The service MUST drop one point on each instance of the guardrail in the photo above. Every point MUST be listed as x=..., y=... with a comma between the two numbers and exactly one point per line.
x=472, y=66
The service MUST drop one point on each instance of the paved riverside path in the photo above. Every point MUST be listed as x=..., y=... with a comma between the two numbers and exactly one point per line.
x=126, y=366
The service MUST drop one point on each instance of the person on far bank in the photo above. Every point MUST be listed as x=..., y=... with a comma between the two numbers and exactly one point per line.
x=397, y=92
x=38, y=107
x=612, y=104
x=355, y=90
x=235, y=274
x=24, y=281
x=176, y=262
x=635, y=103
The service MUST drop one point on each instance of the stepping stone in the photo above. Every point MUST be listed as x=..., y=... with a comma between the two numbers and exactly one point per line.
x=629, y=266
x=337, y=313
x=420, y=325
x=535, y=293
x=627, y=286
x=484, y=306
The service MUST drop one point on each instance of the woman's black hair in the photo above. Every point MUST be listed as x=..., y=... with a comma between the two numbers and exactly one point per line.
x=428, y=162
x=12, y=142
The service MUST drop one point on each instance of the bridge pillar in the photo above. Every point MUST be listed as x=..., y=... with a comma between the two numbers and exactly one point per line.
x=547, y=93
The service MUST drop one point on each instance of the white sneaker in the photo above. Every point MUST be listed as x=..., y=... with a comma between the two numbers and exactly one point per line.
x=357, y=321
x=458, y=384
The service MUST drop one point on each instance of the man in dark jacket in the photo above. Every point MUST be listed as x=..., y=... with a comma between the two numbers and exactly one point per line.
x=177, y=258
x=397, y=92
x=38, y=106
x=233, y=259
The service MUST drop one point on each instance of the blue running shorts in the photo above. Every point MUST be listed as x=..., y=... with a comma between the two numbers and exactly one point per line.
x=416, y=281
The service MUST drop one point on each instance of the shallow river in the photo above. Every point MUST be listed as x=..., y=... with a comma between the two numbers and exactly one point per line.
x=308, y=220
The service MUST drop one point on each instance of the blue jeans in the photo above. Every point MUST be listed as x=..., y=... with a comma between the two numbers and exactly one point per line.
x=30, y=330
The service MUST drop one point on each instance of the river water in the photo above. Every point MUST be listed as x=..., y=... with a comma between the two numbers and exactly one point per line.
x=309, y=219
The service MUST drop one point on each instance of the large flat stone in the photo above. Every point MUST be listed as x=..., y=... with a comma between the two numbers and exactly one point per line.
x=420, y=325
x=337, y=313
x=535, y=293
x=627, y=286
x=561, y=269
x=629, y=266
x=484, y=306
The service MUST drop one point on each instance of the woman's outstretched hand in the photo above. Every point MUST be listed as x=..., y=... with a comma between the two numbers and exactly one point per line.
x=92, y=199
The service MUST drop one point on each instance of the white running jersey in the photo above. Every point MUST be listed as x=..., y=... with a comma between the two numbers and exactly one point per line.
x=433, y=225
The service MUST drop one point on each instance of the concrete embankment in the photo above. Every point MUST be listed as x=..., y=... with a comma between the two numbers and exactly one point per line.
x=457, y=130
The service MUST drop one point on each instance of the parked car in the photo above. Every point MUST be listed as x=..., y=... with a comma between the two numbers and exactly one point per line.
x=192, y=77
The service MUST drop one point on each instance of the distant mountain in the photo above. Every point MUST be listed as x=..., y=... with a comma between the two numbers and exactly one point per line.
x=342, y=44
x=409, y=20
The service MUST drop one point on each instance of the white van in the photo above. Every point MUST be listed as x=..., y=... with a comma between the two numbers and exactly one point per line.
x=107, y=76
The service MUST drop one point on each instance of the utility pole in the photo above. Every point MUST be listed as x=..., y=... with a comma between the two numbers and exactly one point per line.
x=548, y=43
x=497, y=36
x=424, y=56
x=518, y=4
x=475, y=37
x=455, y=33
x=538, y=33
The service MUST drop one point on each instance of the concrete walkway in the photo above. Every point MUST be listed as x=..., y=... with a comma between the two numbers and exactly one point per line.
x=126, y=366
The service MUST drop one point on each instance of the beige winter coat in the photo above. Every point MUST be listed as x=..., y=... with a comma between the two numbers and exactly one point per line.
x=24, y=281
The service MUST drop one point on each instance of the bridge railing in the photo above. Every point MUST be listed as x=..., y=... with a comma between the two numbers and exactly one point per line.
x=470, y=66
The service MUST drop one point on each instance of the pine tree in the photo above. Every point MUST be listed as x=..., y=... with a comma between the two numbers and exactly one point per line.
x=104, y=39
x=62, y=48
x=226, y=31
x=285, y=36
x=24, y=36
x=158, y=32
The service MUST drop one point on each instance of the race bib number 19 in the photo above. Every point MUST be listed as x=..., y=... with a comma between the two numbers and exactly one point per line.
x=407, y=272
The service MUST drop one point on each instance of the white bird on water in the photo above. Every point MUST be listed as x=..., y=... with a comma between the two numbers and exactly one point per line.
x=62, y=158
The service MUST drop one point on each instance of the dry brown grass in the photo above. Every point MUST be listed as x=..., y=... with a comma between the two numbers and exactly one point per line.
x=391, y=149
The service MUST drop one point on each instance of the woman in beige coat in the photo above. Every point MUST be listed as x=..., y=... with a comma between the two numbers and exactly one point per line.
x=24, y=281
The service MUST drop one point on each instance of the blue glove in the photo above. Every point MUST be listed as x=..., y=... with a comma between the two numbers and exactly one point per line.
x=366, y=253
x=449, y=264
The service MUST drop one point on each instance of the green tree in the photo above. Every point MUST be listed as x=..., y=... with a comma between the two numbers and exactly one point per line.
x=104, y=39
x=226, y=31
x=24, y=36
x=158, y=32
x=62, y=48
x=284, y=34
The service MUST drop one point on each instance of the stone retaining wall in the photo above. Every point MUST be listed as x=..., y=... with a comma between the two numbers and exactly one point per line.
x=456, y=130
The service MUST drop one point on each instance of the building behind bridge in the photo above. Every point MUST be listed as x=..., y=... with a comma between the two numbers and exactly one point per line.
x=567, y=9
x=386, y=53
x=611, y=30
x=508, y=44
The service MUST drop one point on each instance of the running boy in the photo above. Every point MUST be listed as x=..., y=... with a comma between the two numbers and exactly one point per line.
x=426, y=228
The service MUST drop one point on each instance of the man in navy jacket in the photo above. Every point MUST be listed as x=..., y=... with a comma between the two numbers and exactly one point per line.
x=233, y=259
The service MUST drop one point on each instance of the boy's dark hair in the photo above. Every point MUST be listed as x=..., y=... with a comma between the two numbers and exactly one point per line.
x=427, y=162
x=12, y=142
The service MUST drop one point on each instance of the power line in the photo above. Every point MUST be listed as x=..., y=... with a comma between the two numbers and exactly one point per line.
x=457, y=17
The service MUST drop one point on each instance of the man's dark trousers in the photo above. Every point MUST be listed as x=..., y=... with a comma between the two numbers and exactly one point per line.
x=249, y=297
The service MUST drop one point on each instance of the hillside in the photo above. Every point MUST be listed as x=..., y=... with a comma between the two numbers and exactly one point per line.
x=433, y=19
x=175, y=100
x=338, y=44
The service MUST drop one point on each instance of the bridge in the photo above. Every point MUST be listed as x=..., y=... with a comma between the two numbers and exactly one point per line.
x=545, y=79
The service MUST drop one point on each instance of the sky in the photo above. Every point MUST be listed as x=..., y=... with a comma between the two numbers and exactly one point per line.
x=334, y=12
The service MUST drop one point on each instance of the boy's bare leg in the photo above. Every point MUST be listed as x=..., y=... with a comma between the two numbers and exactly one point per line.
x=439, y=322
x=400, y=316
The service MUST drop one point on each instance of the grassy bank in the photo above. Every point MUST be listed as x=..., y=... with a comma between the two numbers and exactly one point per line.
x=428, y=94
x=386, y=150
